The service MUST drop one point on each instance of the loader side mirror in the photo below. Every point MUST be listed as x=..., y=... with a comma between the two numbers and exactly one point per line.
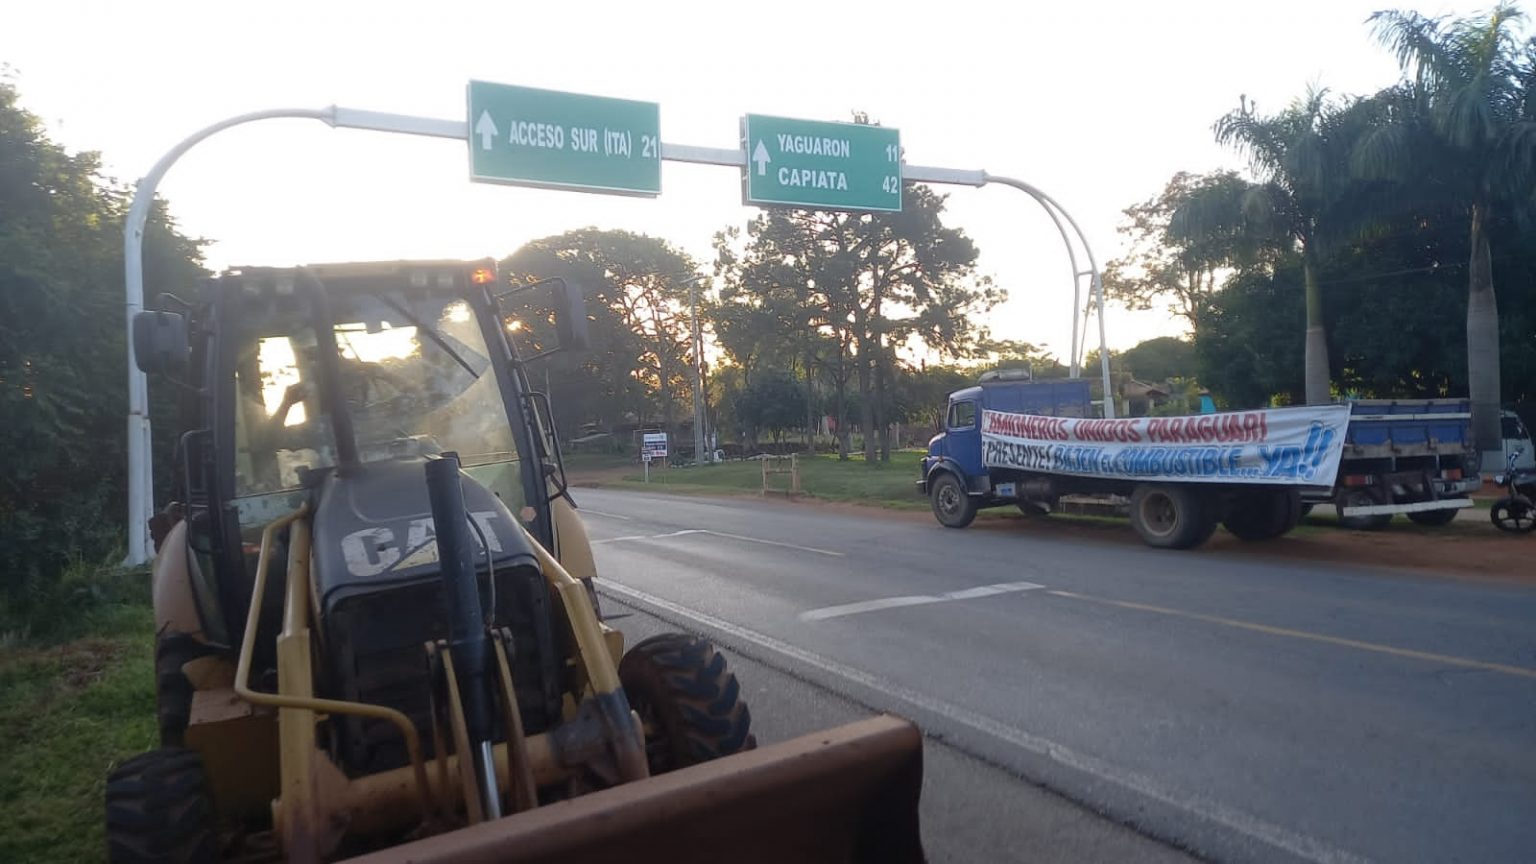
x=160, y=342
x=570, y=308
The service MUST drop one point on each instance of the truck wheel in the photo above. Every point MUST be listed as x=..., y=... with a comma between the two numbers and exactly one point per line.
x=689, y=702
x=1263, y=515
x=1433, y=518
x=159, y=810
x=951, y=505
x=1361, y=496
x=1171, y=517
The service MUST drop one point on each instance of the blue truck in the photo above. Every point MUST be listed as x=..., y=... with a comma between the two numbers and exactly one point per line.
x=1009, y=441
x=1409, y=456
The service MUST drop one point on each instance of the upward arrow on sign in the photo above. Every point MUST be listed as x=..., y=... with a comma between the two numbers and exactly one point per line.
x=486, y=129
x=760, y=156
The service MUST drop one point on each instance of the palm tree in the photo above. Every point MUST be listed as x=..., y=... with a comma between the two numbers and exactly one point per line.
x=1301, y=162
x=1469, y=84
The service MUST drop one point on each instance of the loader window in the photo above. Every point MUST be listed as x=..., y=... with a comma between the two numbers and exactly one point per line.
x=279, y=426
x=417, y=379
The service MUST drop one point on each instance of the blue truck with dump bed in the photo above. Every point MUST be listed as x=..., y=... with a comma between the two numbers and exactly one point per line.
x=1014, y=442
x=1410, y=456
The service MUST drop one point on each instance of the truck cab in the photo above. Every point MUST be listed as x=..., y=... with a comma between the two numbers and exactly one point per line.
x=957, y=450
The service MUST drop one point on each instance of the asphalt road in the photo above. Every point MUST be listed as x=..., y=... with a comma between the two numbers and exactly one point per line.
x=1242, y=709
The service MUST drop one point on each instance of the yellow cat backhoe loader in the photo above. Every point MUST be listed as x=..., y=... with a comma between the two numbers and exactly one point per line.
x=377, y=636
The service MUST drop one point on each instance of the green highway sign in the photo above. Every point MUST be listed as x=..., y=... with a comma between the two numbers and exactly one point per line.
x=822, y=166
x=529, y=137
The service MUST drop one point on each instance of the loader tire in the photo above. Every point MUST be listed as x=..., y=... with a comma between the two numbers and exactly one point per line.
x=159, y=810
x=689, y=702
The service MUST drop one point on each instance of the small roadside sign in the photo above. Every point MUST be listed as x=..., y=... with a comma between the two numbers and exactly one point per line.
x=653, y=446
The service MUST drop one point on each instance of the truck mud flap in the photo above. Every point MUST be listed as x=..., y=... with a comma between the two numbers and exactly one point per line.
x=847, y=794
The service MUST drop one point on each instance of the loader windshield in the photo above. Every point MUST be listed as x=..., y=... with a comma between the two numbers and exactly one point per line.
x=415, y=376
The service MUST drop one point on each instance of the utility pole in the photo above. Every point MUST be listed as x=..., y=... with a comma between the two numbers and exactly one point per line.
x=698, y=373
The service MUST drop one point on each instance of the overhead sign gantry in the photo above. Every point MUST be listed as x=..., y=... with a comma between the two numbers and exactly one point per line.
x=545, y=138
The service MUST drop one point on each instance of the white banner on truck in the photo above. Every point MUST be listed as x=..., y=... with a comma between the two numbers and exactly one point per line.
x=1280, y=446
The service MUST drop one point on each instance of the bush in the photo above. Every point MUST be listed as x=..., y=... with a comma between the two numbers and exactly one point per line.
x=50, y=608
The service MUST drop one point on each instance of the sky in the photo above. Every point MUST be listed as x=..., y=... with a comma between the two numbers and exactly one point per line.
x=1096, y=104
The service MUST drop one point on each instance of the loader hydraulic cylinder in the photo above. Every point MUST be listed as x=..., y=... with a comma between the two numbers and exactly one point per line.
x=466, y=624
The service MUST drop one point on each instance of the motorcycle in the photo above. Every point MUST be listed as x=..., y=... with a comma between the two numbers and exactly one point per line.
x=1516, y=511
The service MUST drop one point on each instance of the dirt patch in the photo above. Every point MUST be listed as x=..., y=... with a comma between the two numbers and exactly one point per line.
x=1470, y=547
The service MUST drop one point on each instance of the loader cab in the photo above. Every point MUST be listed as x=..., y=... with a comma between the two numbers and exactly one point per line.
x=298, y=374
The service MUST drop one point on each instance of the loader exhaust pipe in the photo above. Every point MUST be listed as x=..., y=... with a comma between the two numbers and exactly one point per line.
x=466, y=621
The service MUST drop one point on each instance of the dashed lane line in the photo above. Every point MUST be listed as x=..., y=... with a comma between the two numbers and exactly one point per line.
x=742, y=537
x=845, y=609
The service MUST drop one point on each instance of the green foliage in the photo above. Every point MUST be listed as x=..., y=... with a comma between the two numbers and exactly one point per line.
x=1159, y=359
x=62, y=369
x=1183, y=241
x=1467, y=96
x=1245, y=348
x=773, y=402
x=1383, y=220
x=836, y=294
x=639, y=368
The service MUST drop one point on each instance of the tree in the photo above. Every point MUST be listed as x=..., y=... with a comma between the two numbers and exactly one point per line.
x=640, y=321
x=1160, y=359
x=1241, y=356
x=1180, y=243
x=62, y=351
x=1470, y=83
x=1301, y=157
x=853, y=288
x=773, y=402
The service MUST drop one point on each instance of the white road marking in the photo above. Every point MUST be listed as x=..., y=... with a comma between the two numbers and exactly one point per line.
x=989, y=590
x=1298, y=844
x=867, y=606
x=915, y=600
x=775, y=543
x=686, y=531
x=606, y=515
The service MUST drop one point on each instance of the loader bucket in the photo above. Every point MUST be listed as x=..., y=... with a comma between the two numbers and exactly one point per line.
x=844, y=795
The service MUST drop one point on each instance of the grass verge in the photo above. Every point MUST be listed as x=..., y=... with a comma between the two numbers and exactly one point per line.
x=888, y=484
x=76, y=698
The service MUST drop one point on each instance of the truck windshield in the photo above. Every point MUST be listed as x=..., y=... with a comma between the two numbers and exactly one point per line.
x=416, y=379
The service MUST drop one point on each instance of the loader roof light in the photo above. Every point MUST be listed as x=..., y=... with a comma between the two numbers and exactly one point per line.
x=284, y=287
x=418, y=278
x=444, y=281
x=482, y=276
